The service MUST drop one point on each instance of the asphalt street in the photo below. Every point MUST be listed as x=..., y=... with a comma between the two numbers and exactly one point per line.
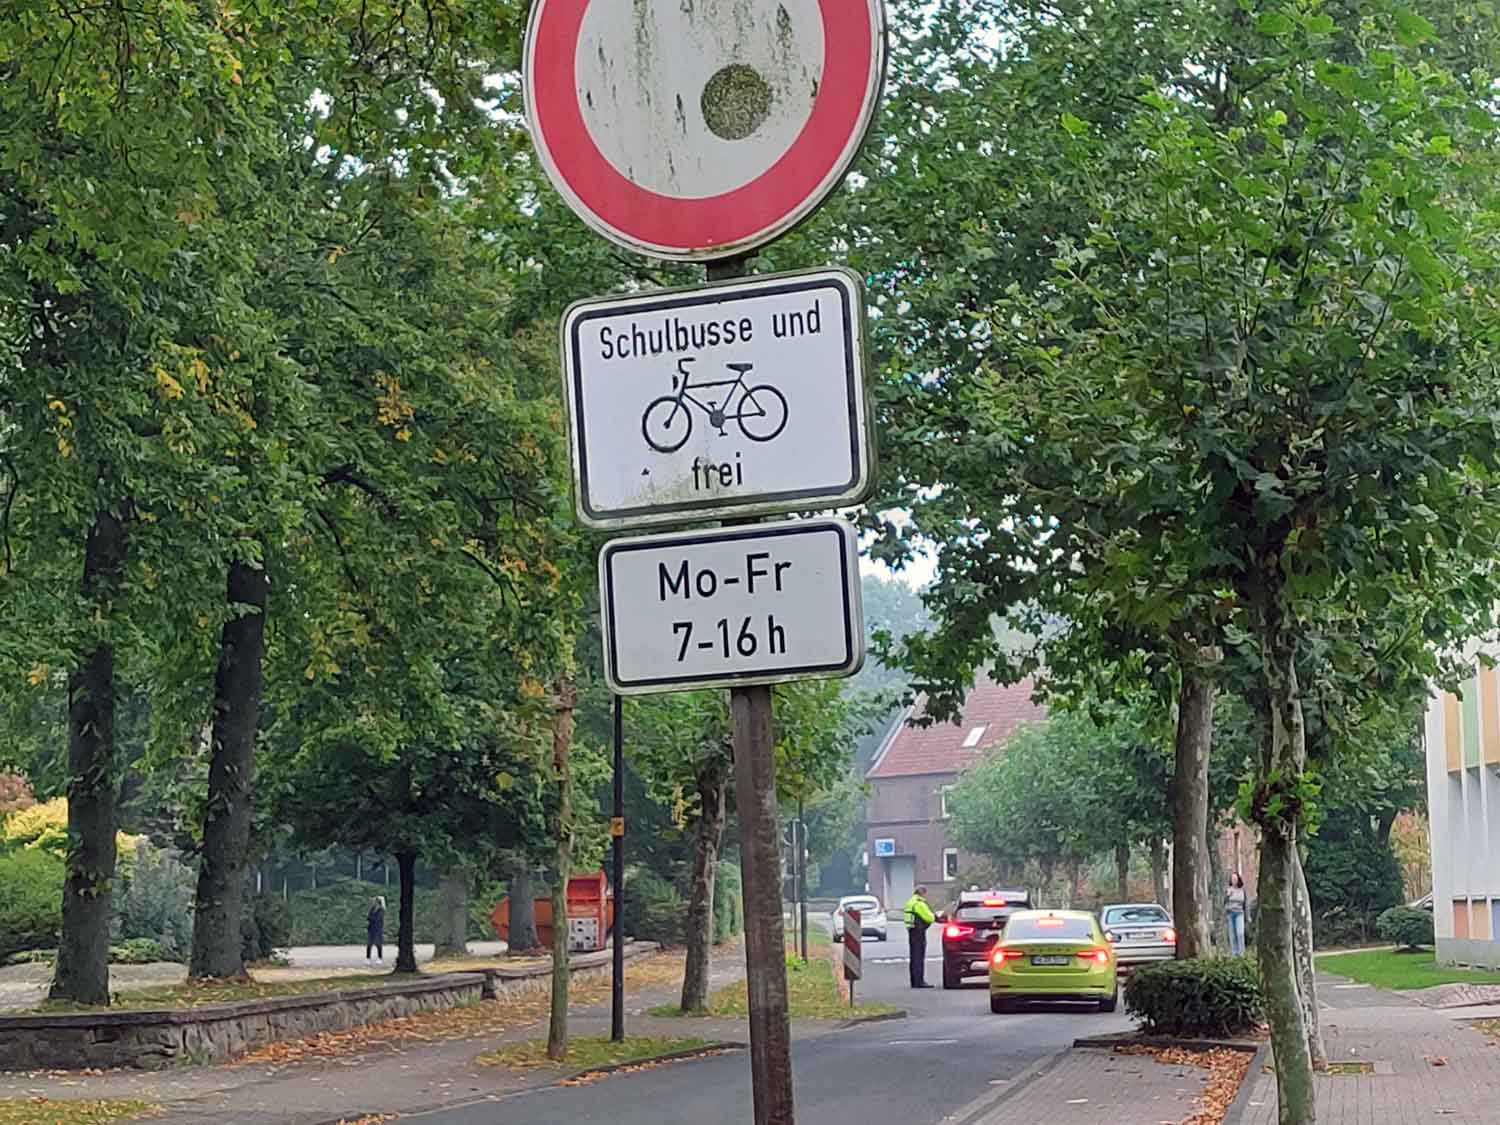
x=934, y=1066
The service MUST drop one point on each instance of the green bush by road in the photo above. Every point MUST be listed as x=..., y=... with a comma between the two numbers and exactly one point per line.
x=1386, y=968
x=30, y=900
x=1212, y=997
x=1407, y=926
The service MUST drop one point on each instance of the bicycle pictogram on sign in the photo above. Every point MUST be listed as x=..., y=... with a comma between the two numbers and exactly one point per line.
x=760, y=410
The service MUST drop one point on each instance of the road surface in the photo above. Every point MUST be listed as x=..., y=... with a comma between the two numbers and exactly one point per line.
x=932, y=1067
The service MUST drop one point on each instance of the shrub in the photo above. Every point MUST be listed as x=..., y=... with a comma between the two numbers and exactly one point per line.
x=15, y=793
x=1406, y=926
x=45, y=826
x=140, y=951
x=334, y=914
x=654, y=910
x=265, y=927
x=1212, y=997
x=31, y=882
x=481, y=903
x=1351, y=877
x=729, y=906
x=155, y=901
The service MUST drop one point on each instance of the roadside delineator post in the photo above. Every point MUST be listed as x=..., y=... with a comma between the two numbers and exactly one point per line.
x=853, y=935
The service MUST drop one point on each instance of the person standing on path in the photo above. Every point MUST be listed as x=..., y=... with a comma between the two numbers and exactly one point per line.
x=918, y=916
x=375, y=929
x=1234, y=914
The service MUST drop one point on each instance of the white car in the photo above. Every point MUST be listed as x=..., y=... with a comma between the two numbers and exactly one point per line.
x=1140, y=932
x=871, y=916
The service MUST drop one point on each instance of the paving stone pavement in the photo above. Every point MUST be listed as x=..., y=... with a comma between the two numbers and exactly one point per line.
x=1427, y=1067
x=1094, y=1086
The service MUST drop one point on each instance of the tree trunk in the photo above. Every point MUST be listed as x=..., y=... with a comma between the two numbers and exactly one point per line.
x=218, y=904
x=1159, y=870
x=406, y=940
x=1122, y=871
x=1274, y=942
x=1195, y=727
x=522, y=909
x=1307, y=980
x=562, y=738
x=1218, y=883
x=713, y=784
x=1075, y=882
x=453, y=917
x=82, y=971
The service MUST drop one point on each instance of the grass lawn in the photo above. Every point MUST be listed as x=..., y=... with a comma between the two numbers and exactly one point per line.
x=585, y=1054
x=45, y=1111
x=1385, y=968
x=811, y=995
x=189, y=995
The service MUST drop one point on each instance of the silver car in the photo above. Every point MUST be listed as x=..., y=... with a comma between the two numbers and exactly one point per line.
x=871, y=917
x=1140, y=932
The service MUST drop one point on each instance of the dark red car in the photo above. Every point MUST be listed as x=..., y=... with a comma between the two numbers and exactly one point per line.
x=972, y=927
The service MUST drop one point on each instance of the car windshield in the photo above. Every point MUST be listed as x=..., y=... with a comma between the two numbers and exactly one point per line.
x=1126, y=914
x=1064, y=929
x=860, y=904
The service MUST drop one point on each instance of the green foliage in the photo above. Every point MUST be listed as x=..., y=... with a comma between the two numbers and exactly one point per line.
x=31, y=882
x=335, y=913
x=482, y=901
x=729, y=904
x=265, y=927
x=654, y=908
x=1352, y=876
x=1211, y=997
x=142, y=951
x=155, y=901
x=1406, y=926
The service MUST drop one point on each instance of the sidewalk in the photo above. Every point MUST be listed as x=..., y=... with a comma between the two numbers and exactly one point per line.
x=1424, y=1065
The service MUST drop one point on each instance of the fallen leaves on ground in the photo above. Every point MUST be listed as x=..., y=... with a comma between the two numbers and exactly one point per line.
x=1227, y=1069
x=49, y=1111
x=812, y=994
x=367, y=1119
x=1437, y=1060
x=635, y=1068
x=1490, y=1028
x=485, y=1017
x=588, y=1052
x=196, y=994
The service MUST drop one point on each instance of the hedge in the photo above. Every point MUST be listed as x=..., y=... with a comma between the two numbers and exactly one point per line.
x=1406, y=926
x=1210, y=997
x=31, y=882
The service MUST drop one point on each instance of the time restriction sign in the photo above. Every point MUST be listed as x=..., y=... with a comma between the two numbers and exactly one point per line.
x=700, y=130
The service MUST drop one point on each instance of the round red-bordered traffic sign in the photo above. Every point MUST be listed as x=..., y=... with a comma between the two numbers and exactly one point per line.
x=701, y=130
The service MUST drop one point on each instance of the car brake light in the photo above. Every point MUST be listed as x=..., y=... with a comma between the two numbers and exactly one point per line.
x=994, y=902
x=1007, y=955
x=958, y=931
x=1098, y=956
x=1169, y=935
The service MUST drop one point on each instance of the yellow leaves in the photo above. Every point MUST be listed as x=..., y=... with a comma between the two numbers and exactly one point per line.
x=64, y=447
x=167, y=384
x=199, y=371
x=38, y=674
x=189, y=218
x=64, y=422
x=531, y=688
x=392, y=407
x=336, y=253
x=59, y=406
x=439, y=457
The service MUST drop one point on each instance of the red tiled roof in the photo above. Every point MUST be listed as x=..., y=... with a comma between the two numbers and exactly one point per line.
x=940, y=748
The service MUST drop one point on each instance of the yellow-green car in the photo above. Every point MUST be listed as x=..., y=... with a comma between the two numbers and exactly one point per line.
x=1053, y=955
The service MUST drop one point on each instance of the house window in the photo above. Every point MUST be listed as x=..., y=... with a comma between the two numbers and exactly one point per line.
x=950, y=864
x=944, y=811
x=971, y=739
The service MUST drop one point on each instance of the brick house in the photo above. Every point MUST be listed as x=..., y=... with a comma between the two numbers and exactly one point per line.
x=907, y=839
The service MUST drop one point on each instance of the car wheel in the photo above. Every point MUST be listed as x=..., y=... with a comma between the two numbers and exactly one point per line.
x=1112, y=1002
x=999, y=1005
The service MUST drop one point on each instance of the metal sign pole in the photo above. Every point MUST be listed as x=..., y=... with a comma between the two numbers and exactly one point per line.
x=760, y=853
x=802, y=874
x=617, y=830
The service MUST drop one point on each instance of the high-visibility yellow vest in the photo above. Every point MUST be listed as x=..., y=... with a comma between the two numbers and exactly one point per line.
x=917, y=908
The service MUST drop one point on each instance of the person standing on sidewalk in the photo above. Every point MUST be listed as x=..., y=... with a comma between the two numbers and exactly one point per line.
x=918, y=916
x=375, y=929
x=1234, y=914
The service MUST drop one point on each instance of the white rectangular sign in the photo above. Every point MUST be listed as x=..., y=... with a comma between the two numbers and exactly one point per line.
x=747, y=605
x=746, y=397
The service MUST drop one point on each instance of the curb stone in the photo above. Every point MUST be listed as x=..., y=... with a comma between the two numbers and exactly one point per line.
x=1127, y=1039
x=1236, y=1111
x=860, y=1021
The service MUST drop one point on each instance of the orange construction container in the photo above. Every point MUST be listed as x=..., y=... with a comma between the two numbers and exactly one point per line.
x=591, y=913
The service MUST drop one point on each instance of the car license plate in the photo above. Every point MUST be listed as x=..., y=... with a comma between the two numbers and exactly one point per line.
x=1041, y=959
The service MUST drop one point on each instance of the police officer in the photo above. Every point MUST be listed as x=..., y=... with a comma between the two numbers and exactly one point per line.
x=918, y=916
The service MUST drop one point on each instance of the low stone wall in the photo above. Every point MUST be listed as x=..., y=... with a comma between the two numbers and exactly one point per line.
x=150, y=1039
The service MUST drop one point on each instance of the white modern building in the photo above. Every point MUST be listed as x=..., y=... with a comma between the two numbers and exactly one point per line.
x=1463, y=792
